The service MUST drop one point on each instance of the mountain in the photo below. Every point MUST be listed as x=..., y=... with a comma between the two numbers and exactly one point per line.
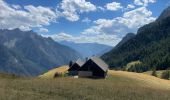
x=150, y=46
x=13, y=62
x=29, y=54
x=164, y=14
x=125, y=39
x=88, y=49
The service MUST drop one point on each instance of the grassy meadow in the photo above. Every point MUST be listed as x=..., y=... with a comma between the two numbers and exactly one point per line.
x=158, y=73
x=51, y=73
x=118, y=86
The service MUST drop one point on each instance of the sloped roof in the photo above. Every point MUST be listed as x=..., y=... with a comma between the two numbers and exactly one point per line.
x=76, y=65
x=79, y=62
x=100, y=63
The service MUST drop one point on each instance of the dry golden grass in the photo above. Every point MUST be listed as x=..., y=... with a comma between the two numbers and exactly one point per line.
x=119, y=85
x=143, y=79
x=159, y=73
x=51, y=73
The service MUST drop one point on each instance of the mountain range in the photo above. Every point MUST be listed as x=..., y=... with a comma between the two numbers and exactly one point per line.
x=29, y=54
x=150, y=46
x=26, y=53
x=88, y=49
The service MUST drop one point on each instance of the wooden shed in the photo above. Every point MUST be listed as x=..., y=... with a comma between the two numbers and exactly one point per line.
x=94, y=67
x=73, y=70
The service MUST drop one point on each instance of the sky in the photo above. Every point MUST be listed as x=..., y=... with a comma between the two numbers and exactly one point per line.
x=80, y=21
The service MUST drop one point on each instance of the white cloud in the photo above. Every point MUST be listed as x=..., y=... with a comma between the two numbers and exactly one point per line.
x=86, y=20
x=105, y=31
x=129, y=22
x=143, y=2
x=114, y=6
x=100, y=26
x=138, y=2
x=25, y=19
x=111, y=40
x=103, y=22
x=60, y=37
x=101, y=8
x=16, y=6
x=43, y=30
x=71, y=8
x=71, y=16
x=137, y=18
x=130, y=6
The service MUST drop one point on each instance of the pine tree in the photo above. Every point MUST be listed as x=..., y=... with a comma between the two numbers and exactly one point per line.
x=70, y=63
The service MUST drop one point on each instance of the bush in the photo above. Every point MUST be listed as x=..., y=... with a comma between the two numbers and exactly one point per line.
x=57, y=75
x=60, y=75
x=139, y=68
x=166, y=74
x=154, y=72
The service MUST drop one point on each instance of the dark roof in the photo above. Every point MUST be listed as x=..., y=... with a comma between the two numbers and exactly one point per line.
x=100, y=63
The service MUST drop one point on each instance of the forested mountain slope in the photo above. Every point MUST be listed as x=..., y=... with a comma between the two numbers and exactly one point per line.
x=150, y=46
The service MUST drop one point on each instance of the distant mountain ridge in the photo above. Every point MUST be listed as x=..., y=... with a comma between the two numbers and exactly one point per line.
x=150, y=46
x=29, y=54
x=88, y=49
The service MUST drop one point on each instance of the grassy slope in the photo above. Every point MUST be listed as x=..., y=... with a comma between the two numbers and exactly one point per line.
x=144, y=80
x=159, y=73
x=51, y=73
x=118, y=86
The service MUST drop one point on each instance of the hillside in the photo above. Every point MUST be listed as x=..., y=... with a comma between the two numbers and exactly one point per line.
x=119, y=86
x=164, y=14
x=88, y=49
x=125, y=39
x=147, y=78
x=13, y=62
x=158, y=73
x=51, y=73
x=150, y=46
x=26, y=53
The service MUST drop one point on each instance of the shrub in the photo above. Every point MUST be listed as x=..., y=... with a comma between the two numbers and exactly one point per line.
x=57, y=75
x=166, y=74
x=139, y=68
x=154, y=72
x=60, y=75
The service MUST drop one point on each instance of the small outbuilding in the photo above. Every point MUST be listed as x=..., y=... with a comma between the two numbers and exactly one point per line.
x=93, y=67
x=73, y=70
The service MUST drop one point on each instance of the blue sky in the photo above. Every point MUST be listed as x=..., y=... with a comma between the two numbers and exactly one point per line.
x=101, y=21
